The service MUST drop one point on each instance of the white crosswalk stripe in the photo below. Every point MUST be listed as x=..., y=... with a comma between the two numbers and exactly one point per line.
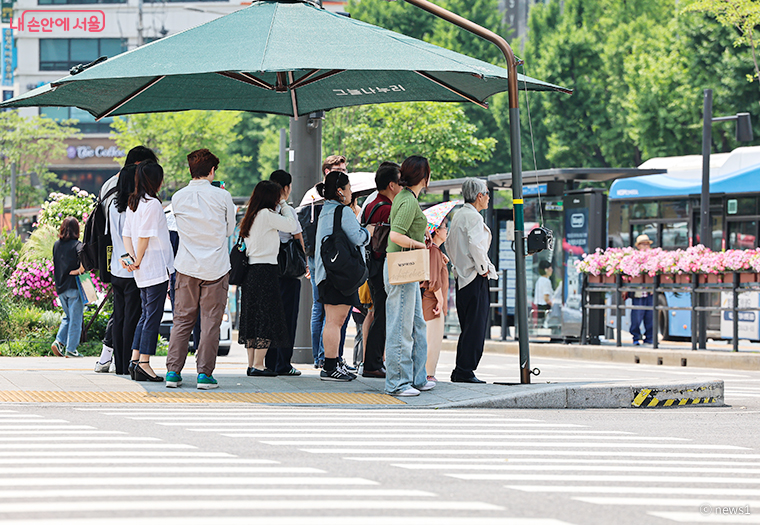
x=669, y=478
x=83, y=474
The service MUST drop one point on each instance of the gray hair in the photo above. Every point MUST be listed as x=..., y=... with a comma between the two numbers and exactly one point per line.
x=472, y=187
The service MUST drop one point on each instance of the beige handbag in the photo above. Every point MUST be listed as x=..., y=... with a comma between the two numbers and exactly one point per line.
x=409, y=266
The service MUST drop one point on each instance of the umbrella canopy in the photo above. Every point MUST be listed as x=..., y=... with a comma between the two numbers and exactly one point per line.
x=289, y=57
x=436, y=214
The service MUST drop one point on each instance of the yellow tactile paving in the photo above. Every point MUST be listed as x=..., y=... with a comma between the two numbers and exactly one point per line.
x=307, y=398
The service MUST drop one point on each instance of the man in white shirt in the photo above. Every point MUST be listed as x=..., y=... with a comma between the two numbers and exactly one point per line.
x=205, y=217
x=468, y=243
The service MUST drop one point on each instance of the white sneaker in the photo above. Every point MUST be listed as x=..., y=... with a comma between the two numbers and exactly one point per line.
x=409, y=392
x=429, y=385
x=112, y=368
x=102, y=368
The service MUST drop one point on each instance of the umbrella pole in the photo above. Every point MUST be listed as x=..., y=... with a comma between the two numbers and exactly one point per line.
x=521, y=297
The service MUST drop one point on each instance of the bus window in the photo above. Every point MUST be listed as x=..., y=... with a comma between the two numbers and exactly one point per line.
x=650, y=229
x=675, y=235
x=741, y=206
x=676, y=209
x=742, y=235
x=644, y=210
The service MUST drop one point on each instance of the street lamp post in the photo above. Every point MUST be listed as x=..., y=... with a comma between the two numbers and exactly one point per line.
x=521, y=297
x=743, y=134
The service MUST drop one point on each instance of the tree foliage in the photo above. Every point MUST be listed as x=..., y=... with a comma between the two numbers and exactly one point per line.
x=638, y=71
x=742, y=15
x=32, y=143
x=369, y=135
x=173, y=135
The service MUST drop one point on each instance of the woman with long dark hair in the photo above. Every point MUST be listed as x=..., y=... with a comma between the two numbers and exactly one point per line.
x=151, y=259
x=67, y=268
x=262, y=318
x=127, y=306
x=336, y=189
x=405, y=329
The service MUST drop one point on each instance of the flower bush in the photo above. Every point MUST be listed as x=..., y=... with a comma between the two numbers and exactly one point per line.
x=10, y=247
x=77, y=204
x=33, y=281
x=697, y=259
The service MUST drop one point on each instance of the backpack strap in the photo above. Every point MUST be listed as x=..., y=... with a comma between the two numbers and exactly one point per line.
x=337, y=217
x=372, y=212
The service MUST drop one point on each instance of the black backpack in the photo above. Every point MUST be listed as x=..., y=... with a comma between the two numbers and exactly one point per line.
x=95, y=253
x=308, y=217
x=378, y=243
x=343, y=260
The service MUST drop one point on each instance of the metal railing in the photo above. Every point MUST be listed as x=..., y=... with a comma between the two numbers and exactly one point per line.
x=698, y=285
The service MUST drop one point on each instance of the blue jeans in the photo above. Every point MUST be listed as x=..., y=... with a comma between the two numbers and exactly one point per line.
x=637, y=316
x=318, y=321
x=71, y=324
x=146, y=335
x=405, y=336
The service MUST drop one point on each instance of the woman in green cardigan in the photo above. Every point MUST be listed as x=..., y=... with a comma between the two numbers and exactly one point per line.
x=405, y=328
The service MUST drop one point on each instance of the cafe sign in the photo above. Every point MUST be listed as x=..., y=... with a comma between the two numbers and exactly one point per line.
x=86, y=152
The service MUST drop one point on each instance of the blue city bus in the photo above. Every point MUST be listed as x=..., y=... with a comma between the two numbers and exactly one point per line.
x=667, y=208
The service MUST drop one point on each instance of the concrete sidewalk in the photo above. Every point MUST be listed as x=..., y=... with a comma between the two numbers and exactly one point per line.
x=58, y=380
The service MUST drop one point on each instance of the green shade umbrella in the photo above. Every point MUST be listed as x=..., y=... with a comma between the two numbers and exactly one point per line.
x=277, y=56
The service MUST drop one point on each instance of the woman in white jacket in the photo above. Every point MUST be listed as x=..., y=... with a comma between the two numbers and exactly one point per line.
x=262, y=318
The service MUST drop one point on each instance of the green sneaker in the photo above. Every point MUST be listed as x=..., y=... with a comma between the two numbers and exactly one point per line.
x=173, y=380
x=206, y=382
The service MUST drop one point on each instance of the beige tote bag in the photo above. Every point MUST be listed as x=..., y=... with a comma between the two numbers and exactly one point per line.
x=410, y=266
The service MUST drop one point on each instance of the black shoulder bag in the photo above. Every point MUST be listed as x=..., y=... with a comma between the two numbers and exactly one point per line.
x=238, y=263
x=343, y=261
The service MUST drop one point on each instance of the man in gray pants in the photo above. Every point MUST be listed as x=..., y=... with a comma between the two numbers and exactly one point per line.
x=205, y=217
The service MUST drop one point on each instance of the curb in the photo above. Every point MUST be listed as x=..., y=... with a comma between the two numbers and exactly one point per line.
x=614, y=354
x=607, y=395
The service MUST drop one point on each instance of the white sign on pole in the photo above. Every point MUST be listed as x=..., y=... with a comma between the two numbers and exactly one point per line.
x=749, y=321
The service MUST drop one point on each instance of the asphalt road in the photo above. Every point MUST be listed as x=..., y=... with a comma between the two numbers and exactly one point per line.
x=64, y=463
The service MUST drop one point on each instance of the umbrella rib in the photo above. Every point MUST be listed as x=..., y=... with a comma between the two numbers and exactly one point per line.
x=293, y=95
x=304, y=81
x=246, y=78
x=452, y=89
x=129, y=98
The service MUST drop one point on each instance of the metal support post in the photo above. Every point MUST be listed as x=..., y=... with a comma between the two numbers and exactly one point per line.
x=735, y=311
x=504, y=326
x=694, y=315
x=14, y=229
x=655, y=313
x=618, y=310
x=521, y=296
x=306, y=144
x=705, y=235
x=283, y=149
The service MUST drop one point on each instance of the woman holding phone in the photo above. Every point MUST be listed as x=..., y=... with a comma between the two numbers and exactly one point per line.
x=151, y=259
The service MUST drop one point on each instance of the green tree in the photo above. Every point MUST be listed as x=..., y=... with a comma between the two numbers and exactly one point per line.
x=259, y=142
x=742, y=15
x=369, y=135
x=173, y=135
x=32, y=143
x=417, y=23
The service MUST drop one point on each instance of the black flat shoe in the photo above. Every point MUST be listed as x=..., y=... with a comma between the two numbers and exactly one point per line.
x=131, y=369
x=460, y=379
x=260, y=373
x=142, y=375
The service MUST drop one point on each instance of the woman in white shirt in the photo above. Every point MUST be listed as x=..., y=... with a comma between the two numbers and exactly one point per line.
x=146, y=241
x=262, y=318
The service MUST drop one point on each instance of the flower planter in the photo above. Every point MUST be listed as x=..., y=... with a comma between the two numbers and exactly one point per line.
x=712, y=278
x=683, y=278
x=748, y=277
x=667, y=278
x=601, y=279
